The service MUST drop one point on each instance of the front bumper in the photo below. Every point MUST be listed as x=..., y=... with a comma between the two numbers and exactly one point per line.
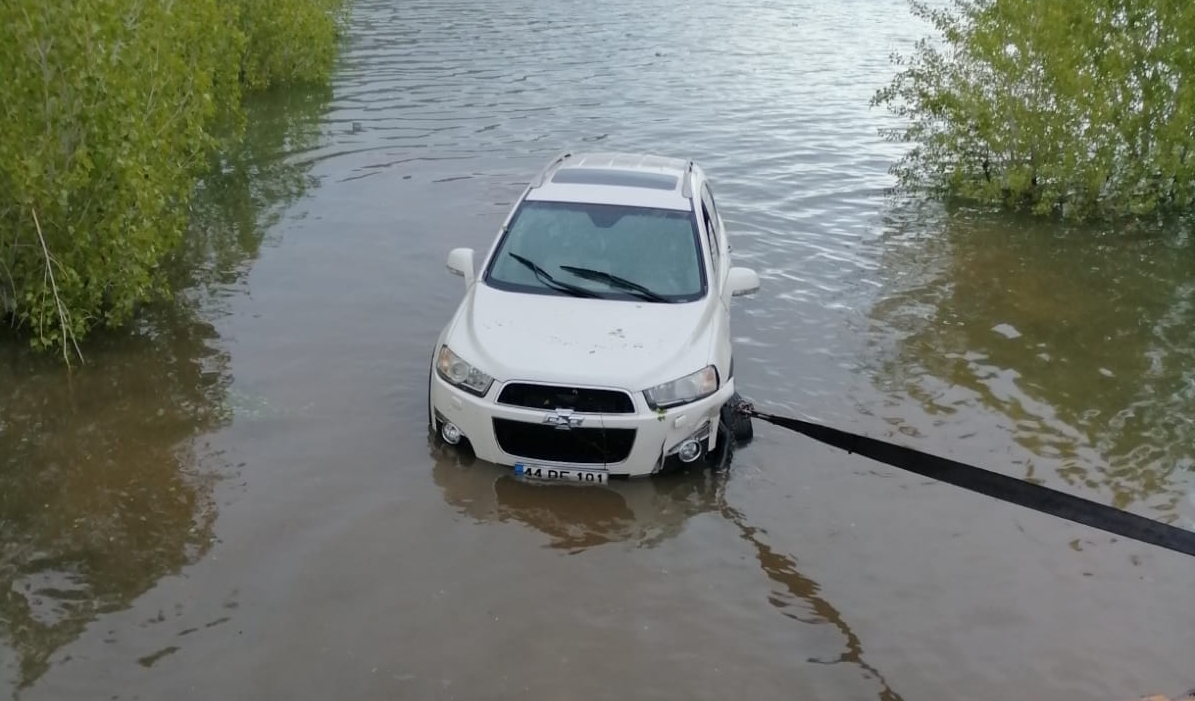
x=624, y=444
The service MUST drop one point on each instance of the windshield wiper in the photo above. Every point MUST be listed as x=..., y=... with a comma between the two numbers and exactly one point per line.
x=615, y=281
x=551, y=281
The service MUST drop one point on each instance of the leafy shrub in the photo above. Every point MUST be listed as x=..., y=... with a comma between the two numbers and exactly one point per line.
x=289, y=40
x=1079, y=107
x=111, y=112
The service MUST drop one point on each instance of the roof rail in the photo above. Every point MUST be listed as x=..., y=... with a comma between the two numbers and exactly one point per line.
x=543, y=174
x=687, y=187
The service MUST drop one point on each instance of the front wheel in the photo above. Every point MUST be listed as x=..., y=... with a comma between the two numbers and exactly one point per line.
x=740, y=424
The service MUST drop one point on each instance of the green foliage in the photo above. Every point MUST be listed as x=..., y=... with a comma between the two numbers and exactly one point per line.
x=1083, y=108
x=112, y=110
x=291, y=40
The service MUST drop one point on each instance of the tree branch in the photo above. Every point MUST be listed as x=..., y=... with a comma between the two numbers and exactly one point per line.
x=67, y=332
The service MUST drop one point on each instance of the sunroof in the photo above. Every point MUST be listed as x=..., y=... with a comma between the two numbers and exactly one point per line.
x=621, y=178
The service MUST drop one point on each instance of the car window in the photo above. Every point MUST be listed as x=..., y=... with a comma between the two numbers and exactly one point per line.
x=711, y=236
x=656, y=248
x=712, y=227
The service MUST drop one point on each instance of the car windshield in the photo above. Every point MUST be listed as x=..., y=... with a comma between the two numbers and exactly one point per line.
x=600, y=248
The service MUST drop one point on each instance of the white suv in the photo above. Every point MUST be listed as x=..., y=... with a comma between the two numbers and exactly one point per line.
x=594, y=339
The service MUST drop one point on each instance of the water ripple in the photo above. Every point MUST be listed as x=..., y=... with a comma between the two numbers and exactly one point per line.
x=773, y=100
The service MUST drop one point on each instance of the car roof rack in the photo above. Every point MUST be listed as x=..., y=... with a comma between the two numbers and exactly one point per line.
x=543, y=174
x=687, y=187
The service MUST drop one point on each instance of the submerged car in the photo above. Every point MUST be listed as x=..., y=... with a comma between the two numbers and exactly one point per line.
x=593, y=341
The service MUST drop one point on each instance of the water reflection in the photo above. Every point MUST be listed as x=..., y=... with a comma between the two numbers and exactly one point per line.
x=1082, y=340
x=105, y=481
x=795, y=589
x=643, y=512
x=104, y=487
x=575, y=517
x=253, y=185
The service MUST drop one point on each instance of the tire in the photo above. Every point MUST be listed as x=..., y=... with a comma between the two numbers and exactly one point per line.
x=740, y=425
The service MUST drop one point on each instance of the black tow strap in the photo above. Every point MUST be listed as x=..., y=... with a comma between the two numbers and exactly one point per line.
x=993, y=484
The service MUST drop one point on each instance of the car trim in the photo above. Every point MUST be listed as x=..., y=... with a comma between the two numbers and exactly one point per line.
x=542, y=176
x=686, y=190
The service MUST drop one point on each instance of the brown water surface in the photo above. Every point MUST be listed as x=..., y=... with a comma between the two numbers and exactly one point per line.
x=238, y=500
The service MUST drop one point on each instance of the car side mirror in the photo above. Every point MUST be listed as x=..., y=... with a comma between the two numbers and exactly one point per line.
x=460, y=262
x=742, y=281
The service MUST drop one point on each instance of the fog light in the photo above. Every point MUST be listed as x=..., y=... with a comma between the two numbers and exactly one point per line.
x=689, y=451
x=451, y=434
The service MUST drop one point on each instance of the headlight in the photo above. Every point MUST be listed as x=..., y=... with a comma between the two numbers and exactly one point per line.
x=462, y=374
x=687, y=389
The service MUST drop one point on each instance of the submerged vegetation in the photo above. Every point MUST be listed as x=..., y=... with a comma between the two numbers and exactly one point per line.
x=113, y=112
x=1084, y=109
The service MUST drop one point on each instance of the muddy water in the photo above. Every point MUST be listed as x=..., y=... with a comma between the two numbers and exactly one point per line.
x=238, y=500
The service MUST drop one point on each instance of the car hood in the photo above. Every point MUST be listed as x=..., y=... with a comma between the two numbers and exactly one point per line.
x=557, y=339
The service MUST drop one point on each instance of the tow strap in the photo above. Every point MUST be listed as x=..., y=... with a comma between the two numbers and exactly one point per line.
x=993, y=484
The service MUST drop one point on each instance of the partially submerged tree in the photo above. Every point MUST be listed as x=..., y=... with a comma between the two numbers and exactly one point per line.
x=1084, y=107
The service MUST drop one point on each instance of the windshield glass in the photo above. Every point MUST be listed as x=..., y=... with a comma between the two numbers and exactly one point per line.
x=657, y=249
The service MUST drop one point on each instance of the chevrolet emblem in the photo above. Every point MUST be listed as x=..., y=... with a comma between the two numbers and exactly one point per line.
x=563, y=419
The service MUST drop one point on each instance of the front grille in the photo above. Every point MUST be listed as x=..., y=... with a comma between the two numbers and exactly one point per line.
x=577, y=445
x=581, y=399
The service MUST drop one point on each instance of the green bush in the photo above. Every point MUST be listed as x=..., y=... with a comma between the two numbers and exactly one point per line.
x=289, y=40
x=111, y=111
x=1082, y=107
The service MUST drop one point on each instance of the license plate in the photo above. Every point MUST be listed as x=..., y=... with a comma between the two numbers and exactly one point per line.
x=560, y=473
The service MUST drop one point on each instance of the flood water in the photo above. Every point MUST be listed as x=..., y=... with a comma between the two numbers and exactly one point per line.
x=238, y=498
